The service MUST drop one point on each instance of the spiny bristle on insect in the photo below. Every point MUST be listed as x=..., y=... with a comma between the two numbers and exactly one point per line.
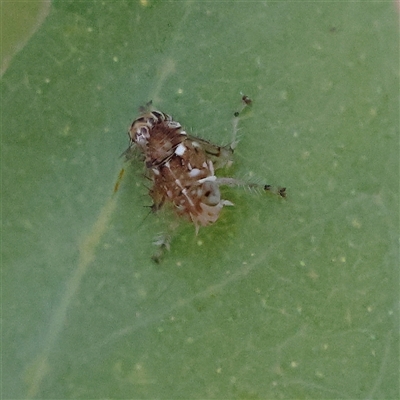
x=241, y=183
x=252, y=185
x=235, y=125
x=131, y=152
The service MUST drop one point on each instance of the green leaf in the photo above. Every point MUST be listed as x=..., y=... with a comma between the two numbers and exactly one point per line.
x=278, y=299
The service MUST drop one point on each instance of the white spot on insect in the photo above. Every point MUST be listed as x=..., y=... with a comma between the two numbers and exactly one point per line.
x=196, y=144
x=178, y=183
x=180, y=150
x=184, y=191
x=174, y=124
x=194, y=172
x=211, y=178
x=156, y=171
x=211, y=167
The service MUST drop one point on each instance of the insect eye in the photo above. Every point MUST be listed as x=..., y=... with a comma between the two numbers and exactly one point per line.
x=173, y=125
x=142, y=135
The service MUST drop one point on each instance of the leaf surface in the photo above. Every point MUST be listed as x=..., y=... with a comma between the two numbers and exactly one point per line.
x=278, y=299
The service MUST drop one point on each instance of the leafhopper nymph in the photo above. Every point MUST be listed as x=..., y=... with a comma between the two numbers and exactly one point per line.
x=182, y=167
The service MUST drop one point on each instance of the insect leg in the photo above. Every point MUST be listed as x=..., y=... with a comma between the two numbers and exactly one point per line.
x=246, y=101
x=280, y=191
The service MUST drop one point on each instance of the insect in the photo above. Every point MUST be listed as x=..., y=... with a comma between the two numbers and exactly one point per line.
x=182, y=168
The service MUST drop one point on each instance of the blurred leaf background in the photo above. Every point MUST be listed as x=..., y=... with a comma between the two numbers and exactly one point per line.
x=278, y=299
